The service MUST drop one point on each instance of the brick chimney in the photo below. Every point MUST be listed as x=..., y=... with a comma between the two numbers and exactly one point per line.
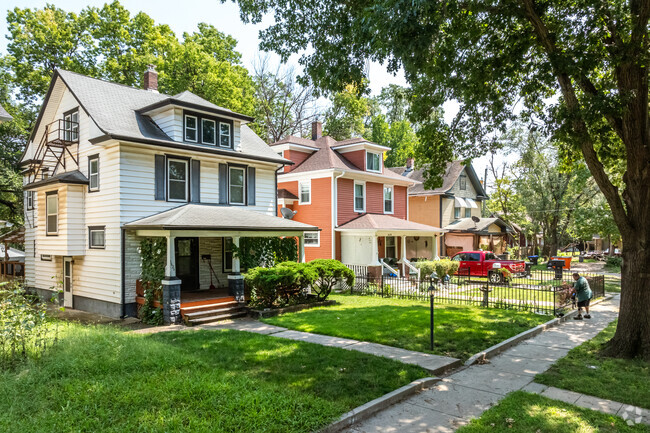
x=409, y=163
x=316, y=130
x=151, y=79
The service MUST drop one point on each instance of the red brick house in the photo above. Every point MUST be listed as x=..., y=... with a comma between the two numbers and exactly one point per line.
x=360, y=206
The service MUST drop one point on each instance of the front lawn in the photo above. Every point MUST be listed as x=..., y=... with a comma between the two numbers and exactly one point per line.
x=100, y=379
x=460, y=331
x=521, y=412
x=584, y=370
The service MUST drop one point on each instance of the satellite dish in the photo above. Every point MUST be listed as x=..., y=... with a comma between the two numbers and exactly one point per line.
x=476, y=219
x=288, y=213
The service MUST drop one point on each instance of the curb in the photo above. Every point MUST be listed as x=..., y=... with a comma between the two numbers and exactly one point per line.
x=507, y=344
x=365, y=411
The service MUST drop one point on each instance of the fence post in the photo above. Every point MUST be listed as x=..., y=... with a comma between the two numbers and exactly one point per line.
x=382, y=283
x=431, y=322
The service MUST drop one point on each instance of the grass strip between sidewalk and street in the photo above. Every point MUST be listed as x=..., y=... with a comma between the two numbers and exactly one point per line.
x=585, y=371
x=521, y=412
x=102, y=379
x=460, y=331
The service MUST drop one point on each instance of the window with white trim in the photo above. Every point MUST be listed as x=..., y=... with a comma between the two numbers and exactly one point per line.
x=52, y=213
x=93, y=173
x=208, y=131
x=388, y=199
x=236, y=182
x=312, y=239
x=71, y=126
x=29, y=199
x=359, y=197
x=391, y=247
x=191, y=128
x=373, y=161
x=97, y=237
x=468, y=212
x=177, y=179
x=456, y=212
x=224, y=134
x=305, y=192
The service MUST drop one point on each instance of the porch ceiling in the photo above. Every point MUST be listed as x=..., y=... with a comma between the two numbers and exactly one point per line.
x=217, y=218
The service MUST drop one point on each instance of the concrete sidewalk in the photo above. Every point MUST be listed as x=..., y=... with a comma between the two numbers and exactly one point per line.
x=467, y=393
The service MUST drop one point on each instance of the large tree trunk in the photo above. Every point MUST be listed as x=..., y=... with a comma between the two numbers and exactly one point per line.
x=632, y=336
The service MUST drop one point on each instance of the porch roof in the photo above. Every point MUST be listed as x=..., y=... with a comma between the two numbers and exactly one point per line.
x=381, y=222
x=217, y=217
x=479, y=227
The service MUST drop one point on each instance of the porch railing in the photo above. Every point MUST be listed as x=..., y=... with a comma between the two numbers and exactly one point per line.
x=412, y=268
x=388, y=268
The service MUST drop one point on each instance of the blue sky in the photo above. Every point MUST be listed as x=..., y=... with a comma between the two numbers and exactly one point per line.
x=183, y=16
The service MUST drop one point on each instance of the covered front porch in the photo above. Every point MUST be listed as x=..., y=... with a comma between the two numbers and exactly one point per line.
x=202, y=267
x=388, y=245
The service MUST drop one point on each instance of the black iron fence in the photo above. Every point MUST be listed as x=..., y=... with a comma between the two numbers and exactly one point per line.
x=544, y=292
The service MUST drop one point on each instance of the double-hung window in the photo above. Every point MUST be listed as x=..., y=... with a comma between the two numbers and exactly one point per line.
x=30, y=200
x=236, y=182
x=373, y=161
x=456, y=212
x=191, y=128
x=312, y=239
x=468, y=212
x=462, y=181
x=388, y=199
x=305, y=192
x=177, y=180
x=97, y=237
x=208, y=131
x=93, y=173
x=224, y=134
x=391, y=247
x=359, y=197
x=52, y=213
x=71, y=126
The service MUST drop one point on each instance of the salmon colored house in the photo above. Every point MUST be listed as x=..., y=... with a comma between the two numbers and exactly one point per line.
x=360, y=206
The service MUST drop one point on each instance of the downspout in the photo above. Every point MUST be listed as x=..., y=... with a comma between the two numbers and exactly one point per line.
x=123, y=270
x=335, y=210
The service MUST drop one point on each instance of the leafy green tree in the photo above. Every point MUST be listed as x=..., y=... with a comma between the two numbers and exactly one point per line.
x=492, y=57
x=596, y=219
x=396, y=101
x=347, y=115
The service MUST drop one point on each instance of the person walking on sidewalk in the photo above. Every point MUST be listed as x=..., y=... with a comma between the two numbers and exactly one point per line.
x=583, y=293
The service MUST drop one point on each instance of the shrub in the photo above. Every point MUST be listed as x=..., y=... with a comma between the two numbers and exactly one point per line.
x=282, y=284
x=440, y=267
x=24, y=330
x=614, y=262
x=329, y=272
x=153, y=254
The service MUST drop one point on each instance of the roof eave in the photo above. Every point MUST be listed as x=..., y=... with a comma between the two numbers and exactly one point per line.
x=193, y=106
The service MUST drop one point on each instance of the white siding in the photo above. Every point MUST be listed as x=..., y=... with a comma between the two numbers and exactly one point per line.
x=171, y=122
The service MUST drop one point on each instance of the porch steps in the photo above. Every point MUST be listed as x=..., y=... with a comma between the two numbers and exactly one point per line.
x=213, y=312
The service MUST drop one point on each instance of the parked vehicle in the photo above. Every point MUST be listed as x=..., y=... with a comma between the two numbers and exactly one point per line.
x=487, y=264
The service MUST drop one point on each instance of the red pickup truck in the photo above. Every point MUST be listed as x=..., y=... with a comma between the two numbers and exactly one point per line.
x=482, y=264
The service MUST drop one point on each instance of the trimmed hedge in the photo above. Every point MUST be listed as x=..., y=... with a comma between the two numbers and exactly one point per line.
x=440, y=267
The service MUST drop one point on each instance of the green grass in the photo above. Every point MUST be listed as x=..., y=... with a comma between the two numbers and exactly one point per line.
x=612, y=269
x=521, y=412
x=529, y=295
x=460, y=331
x=100, y=379
x=584, y=370
x=612, y=284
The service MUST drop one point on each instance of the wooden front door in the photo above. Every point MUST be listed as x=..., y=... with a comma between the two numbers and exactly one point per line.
x=187, y=262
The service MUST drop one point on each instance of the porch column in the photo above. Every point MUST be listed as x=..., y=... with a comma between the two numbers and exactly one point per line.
x=435, y=248
x=235, y=279
x=171, y=287
x=405, y=270
x=375, y=251
x=301, y=249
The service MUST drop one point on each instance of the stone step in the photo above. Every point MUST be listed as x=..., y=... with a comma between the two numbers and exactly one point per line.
x=216, y=318
x=214, y=311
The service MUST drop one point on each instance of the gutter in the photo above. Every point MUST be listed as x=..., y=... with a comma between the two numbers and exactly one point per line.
x=123, y=270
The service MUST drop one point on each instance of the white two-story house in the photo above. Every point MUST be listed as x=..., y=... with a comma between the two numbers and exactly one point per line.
x=108, y=165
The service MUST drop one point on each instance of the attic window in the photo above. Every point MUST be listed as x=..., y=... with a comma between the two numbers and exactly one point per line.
x=463, y=182
x=224, y=134
x=208, y=132
x=373, y=161
x=190, y=128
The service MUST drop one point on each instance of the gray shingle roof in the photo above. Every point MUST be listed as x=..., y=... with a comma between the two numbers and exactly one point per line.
x=386, y=222
x=454, y=169
x=467, y=224
x=216, y=217
x=115, y=108
x=4, y=116
x=70, y=177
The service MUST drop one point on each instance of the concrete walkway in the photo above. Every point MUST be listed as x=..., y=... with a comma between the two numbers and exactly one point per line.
x=467, y=393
